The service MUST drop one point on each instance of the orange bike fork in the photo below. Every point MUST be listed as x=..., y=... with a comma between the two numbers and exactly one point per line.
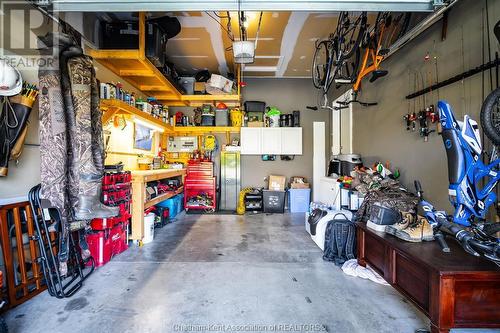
x=376, y=60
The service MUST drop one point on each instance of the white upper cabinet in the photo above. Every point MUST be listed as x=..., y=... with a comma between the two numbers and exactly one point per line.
x=251, y=140
x=291, y=141
x=270, y=140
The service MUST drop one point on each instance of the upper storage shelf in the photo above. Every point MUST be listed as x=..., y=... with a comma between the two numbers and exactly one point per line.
x=135, y=68
x=111, y=107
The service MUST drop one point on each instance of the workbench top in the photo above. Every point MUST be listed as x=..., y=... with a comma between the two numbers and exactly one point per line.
x=150, y=175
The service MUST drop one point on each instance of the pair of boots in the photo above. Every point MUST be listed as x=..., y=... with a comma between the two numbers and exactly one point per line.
x=411, y=228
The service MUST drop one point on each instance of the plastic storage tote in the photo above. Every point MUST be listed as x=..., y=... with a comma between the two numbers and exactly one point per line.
x=274, y=201
x=180, y=202
x=221, y=117
x=298, y=200
x=171, y=204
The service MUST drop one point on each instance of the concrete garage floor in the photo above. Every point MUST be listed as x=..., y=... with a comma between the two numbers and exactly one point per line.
x=222, y=270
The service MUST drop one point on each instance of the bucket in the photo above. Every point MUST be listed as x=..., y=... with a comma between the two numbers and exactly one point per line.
x=149, y=228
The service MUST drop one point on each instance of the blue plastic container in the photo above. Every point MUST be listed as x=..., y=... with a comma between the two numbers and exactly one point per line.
x=180, y=198
x=171, y=204
x=298, y=200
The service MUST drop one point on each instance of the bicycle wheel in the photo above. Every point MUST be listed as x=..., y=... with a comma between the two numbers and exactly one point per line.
x=350, y=29
x=396, y=26
x=490, y=116
x=321, y=63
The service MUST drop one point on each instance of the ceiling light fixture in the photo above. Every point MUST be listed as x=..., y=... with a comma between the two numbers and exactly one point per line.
x=244, y=52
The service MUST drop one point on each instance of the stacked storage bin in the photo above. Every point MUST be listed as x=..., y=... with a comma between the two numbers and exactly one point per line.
x=109, y=236
x=200, y=182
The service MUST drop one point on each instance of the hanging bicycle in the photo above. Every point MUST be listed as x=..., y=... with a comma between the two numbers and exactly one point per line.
x=336, y=58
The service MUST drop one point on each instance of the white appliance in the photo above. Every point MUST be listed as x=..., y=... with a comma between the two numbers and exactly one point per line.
x=319, y=232
x=328, y=192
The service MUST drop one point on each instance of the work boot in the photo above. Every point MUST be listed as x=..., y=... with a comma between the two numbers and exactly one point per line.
x=406, y=219
x=427, y=232
x=90, y=207
x=417, y=232
x=89, y=204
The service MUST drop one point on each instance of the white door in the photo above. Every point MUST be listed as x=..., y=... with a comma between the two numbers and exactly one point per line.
x=271, y=141
x=291, y=141
x=319, y=159
x=251, y=140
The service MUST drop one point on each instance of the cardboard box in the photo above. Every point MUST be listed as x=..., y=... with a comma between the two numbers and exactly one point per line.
x=298, y=182
x=199, y=87
x=255, y=124
x=277, y=183
x=299, y=185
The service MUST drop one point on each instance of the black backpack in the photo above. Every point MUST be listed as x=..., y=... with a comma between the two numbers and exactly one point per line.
x=340, y=240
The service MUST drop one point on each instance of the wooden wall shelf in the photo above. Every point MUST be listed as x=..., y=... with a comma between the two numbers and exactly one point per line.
x=113, y=106
x=206, y=129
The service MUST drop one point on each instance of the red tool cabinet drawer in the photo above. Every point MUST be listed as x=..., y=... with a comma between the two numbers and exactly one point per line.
x=199, y=182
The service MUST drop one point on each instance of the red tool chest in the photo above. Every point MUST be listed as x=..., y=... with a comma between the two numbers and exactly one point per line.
x=200, y=191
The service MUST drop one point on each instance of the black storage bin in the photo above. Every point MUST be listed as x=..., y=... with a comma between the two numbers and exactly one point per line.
x=274, y=201
x=255, y=106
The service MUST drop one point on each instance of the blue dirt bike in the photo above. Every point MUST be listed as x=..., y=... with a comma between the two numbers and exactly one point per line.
x=471, y=182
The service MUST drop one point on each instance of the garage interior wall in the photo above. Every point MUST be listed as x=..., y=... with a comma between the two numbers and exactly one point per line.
x=287, y=95
x=379, y=132
x=26, y=174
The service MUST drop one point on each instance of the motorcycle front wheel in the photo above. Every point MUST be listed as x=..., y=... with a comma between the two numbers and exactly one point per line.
x=490, y=116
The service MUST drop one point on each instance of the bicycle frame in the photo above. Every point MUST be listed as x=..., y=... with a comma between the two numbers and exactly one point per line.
x=376, y=59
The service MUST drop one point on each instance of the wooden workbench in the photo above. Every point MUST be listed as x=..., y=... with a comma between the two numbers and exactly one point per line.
x=139, y=203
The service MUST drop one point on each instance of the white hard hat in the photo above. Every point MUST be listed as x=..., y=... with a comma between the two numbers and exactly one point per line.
x=11, y=81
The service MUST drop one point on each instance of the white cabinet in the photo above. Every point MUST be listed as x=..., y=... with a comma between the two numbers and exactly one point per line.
x=251, y=140
x=271, y=141
x=291, y=141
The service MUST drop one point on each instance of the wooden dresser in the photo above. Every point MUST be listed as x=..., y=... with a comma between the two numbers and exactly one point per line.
x=455, y=290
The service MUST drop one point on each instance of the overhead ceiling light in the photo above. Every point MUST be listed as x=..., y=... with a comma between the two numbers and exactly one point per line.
x=244, y=52
x=148, y=124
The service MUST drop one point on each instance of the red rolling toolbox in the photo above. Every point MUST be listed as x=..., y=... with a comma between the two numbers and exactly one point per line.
x=200, y=191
